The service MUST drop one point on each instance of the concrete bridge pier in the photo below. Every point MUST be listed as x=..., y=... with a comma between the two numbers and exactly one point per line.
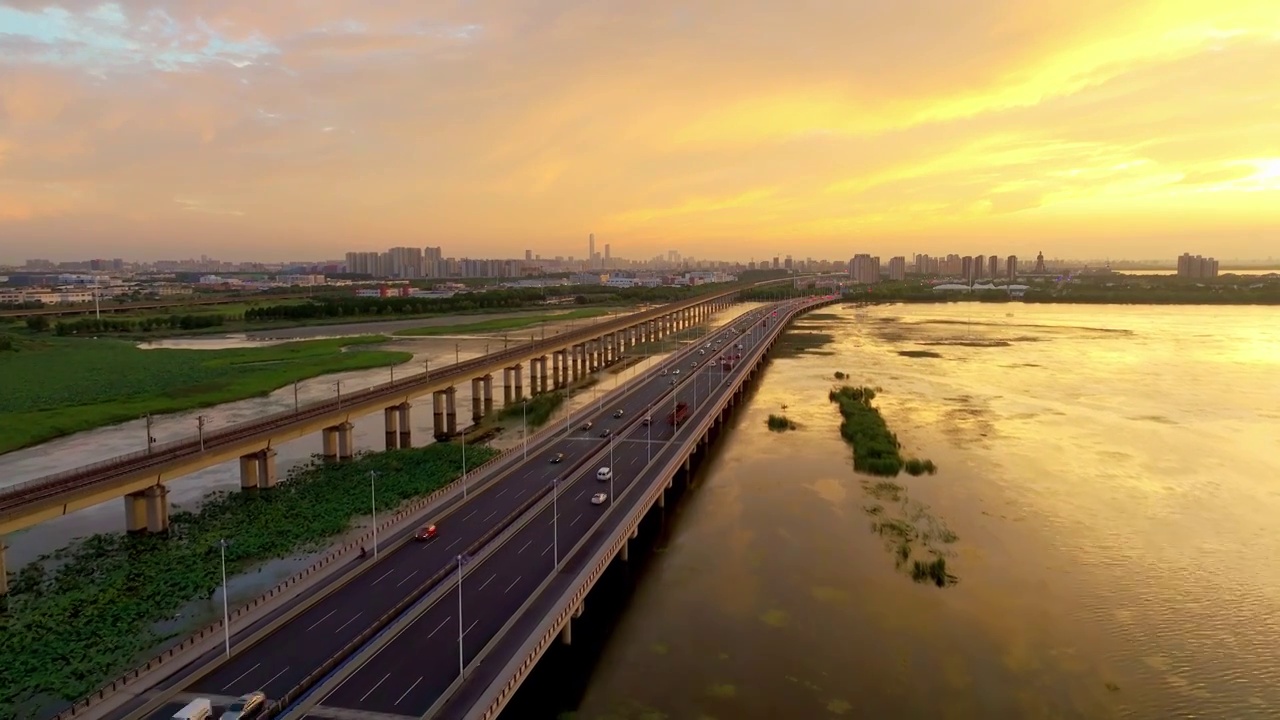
x=451, y=410
x=338, y=441
x=4, y=571
x=391, y=426
x=558, y=359
x=406, y=429
x=477, y=399
x=533, y=377
x=542, y=374
x=507, y=386
x=248, y=477
x=566, y=633
x=488, y=394
x=662, y=498
x=517, y=372
x=437, y=414
x=147, y=510
x=267, y=476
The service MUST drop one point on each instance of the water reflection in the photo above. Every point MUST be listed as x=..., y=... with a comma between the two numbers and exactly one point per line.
x=1109, y=472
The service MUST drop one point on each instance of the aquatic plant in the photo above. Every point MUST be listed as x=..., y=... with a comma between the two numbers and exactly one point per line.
x=780, y=423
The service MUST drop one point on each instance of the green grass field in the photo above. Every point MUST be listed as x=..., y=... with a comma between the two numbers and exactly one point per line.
x=509, y=323
x=58, y=386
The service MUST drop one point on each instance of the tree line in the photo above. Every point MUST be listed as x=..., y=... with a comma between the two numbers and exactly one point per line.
x=97, y=326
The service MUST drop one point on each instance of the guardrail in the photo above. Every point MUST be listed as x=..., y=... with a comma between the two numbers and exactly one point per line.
x=215, y=629
x=496, y=697
x=21, y=493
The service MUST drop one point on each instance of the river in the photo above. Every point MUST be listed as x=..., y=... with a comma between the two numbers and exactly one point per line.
x=1110, y=473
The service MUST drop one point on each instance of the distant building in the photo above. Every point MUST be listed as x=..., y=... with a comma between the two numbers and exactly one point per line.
x=1195, y=267
x=898, y=268
x=993, y=267
x=1011, y=267
x=966, y=269
x=864, y=269
x=1039, y=269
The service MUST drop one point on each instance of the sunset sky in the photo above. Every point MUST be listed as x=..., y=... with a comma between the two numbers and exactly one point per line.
x=292, y=129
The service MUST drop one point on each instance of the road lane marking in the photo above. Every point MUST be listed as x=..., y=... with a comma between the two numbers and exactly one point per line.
x=503, y=490
x=406, y=578
x=576, y=519
x=353, y=619
x=442, y=623
x=490, y=516
x=522, y=548
x=455, y=542
x=273, y=677
x=468, y=515
x=406, y=692
x=375, y=687
x=486, y=582
x=241, y=677
x=544, y=552
x=326, y=617
x=473, y=624
x=579, y=495
x=375, y=582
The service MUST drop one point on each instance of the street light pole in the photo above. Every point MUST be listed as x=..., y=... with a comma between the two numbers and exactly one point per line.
x=226, y=612
x=524, y=433
x=295, y=396
x=461, y=631
x=373, y=504
x=457, y=353
x=611, y=472
x=338, y=386
x=200, y=430
x=151, y=440
x=464, y=463
x=555, y=519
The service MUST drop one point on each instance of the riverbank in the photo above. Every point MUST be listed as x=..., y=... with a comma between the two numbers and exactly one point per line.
x=101, y=600
x=1086, y=290
x=61, y=386
x=506, y=323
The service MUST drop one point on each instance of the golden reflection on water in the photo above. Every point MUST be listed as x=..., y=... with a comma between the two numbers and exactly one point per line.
x=1111, y=473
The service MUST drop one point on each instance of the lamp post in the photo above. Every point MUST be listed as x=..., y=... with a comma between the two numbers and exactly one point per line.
x=338, y=387
x=200, y=430
x=393, y=374
x=295, y=396
x=524, y=432
x=648, y=429
x=462, y=560
x=151, y=439
x=457, y=353
x=226, y=612
x=426, y=366
x=373, y=505
x=555, y=519
x=464, y=463
x=611, y=472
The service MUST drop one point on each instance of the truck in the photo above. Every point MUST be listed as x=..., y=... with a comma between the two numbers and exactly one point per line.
x=726, y=364
x=679, y=415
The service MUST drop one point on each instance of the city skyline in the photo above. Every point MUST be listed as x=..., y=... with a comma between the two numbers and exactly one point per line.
x=249, y=130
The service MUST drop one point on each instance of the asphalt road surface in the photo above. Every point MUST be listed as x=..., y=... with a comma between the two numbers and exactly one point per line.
x=297, y=648
x=411, y=672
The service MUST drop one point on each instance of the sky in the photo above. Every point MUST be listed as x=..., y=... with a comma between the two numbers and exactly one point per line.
x=291, y=129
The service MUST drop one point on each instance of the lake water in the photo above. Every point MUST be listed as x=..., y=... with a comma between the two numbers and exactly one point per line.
x=1111, y=475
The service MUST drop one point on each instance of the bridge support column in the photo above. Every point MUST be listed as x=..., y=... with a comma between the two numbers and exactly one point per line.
x=533, y=377
x=624, y=554
x=558, y=359
x=4, y=570
x=437, y=415
x=328, y=445
x=542, y=374
x=346, y=441
x=662, y=498
x=406, y=429
x=391, y=426
x=157, y=499
x=566, y=632
x=488, y=394
x=248, y=475
x=477, y=399
x=518, y=373
x=267, y=476
x=508, y=390
x=135, y=510
x=451, y=410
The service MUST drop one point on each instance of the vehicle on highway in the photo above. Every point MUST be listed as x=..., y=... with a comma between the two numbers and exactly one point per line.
x=426, y=532
x=248, y=706
x=663, y=373
x=676, y=371
x=606, y=433
x=198, y=709
x=599, y=498
x=618, y=414
x=604, y=473
x=673, y=382
x=558, y=457
x=737, y=346
x=586, y=425
x=679, y=415
x=647, y=419
x=693, y=364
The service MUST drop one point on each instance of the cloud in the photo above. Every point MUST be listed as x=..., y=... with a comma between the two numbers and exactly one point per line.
x=728, y=127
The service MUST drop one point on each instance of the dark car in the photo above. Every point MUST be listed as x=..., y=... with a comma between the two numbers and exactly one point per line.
x=606, y=433
x=618, y=414
x=425, y=533
x=558, y=457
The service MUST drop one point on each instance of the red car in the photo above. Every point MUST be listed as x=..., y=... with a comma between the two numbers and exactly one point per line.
x=425, y=533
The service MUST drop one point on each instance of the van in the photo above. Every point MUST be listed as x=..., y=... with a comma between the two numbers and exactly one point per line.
x=198, y=709
x=604, y=473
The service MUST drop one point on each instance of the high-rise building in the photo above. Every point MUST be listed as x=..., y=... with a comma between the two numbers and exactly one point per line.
x=591, y=249
x=864, y=269
x=966, y=268
x=1011, y=267
x=607, y=254
x=993, y=267
x=433, y=262
x=1195, y=267
x=528, y=255
x=898, y=268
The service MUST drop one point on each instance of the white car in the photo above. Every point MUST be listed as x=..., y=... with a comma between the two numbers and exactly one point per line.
x=599, y=498
x=604, y=473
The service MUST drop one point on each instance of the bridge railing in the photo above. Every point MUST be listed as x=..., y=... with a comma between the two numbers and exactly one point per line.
x=497, y=695
x=160, y=452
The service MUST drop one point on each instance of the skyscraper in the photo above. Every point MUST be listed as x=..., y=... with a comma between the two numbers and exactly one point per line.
x=591, y=249
x=606, y=254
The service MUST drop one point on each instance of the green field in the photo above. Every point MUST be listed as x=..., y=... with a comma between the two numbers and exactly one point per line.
x=90, y=612
x=509, y=323
x=58, y=386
